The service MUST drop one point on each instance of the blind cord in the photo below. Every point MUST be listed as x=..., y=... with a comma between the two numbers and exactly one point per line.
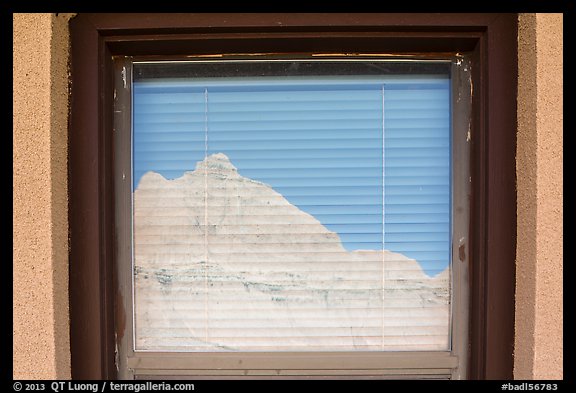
x=206, y=305
x=383, y=218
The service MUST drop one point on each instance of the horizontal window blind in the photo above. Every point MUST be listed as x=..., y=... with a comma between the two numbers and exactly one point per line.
x=292, y=214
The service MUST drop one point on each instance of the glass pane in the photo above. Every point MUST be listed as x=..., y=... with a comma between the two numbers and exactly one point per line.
x=282, y=207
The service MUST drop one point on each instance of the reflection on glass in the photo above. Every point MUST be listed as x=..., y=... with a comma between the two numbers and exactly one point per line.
x=292, y=213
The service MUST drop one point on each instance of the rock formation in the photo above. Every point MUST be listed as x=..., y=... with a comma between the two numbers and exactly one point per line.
x=225, y=263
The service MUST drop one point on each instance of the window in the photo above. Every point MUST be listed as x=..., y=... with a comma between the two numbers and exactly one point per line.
x=290, y=206
x=293, y=212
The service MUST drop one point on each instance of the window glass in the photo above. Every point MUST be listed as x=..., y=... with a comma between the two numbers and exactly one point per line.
x=291, y=206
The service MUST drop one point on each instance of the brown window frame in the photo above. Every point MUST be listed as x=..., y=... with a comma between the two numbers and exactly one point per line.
x=488, y=39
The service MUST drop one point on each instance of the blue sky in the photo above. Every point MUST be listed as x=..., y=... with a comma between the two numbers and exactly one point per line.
x=335, y=147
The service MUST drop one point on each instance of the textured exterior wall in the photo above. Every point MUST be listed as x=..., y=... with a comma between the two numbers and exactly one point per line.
x=41, y=348
x=539, y=163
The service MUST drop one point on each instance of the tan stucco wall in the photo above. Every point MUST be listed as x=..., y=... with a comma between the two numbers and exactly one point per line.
x=539, y=163
x=40, y=311
x=41, y=348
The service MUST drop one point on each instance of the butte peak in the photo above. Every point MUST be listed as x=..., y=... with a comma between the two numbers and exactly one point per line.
x=216, y=162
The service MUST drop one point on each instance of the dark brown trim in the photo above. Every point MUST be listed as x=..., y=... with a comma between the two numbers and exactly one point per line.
x=84, y=170
x=144, y=23
x=493, y=227
x=490, y=39
x=500, y=237
x=306, y=42
x=90, y=203
x=478, y=216
x=108, y=235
